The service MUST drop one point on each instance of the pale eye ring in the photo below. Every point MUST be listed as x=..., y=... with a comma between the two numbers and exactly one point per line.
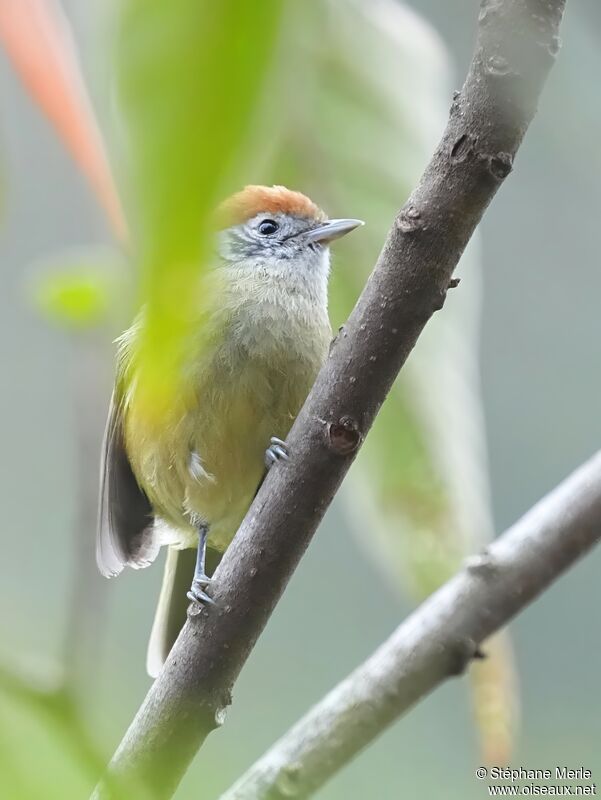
x=267, y=227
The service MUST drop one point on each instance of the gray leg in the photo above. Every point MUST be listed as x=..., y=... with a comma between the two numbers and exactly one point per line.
x=201, y=579
x=277, y=451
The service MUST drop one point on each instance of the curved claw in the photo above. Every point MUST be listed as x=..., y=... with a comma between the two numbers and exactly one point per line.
x=197, y=595
x=277, y=451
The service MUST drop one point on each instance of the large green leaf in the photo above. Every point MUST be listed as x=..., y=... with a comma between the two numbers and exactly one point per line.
x=191, y=76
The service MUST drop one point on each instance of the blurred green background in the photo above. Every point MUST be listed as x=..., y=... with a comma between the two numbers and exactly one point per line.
x=539, y=349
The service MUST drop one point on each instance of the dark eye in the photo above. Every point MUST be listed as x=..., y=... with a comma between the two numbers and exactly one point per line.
x=268, y=227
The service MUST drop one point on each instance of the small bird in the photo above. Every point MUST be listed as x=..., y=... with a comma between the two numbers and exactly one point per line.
x=189, y=481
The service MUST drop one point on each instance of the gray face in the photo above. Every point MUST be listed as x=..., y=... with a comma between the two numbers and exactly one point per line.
x=270, y=236
x=281, y=237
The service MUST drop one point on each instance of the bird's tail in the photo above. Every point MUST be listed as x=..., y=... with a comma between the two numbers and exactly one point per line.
x=171, y=609
x=173, y=604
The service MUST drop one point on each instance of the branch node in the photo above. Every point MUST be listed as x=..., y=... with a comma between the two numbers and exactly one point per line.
x=554, y=46
x=440, y=298
x=500, y=165
x=455, y=104
x=220, y=716
x=410, y=219
x=287, y=782
x=462, y=147
x=461, y=655
x=195, y=610
x=497, y=66
x=344, y=436
x=483, y=565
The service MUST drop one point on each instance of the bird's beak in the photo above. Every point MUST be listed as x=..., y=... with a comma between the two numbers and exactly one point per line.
x=333, y=229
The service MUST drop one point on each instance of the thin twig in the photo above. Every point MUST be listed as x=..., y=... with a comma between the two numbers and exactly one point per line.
x=435, y=642
x=516, y=46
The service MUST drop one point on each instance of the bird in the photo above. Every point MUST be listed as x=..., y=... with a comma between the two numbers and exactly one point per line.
x=262, y=334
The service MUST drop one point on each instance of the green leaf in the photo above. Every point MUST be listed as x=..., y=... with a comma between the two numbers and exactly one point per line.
x=46, y=749
x=81, y=290
x=427, y=499
x=40, y=747
x=191, y=76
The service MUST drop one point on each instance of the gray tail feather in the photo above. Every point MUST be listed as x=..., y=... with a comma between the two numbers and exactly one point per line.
x=173, y=604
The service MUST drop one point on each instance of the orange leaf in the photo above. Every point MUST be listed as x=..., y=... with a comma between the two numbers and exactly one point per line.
x=38, y=40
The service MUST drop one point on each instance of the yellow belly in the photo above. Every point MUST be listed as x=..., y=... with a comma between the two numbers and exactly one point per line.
x=206, y=462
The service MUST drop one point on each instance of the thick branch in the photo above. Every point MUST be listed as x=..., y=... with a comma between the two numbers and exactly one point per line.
x=434, y=643
x=517, y=43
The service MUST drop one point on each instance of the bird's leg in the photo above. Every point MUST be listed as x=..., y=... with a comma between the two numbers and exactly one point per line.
x=201, y=580
x=277, y=451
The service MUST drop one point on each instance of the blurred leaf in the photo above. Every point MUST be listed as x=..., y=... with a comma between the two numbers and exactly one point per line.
x=42, y=751
x=191, y=75
x=496, y=700
x=81, y=290
x=429, y=506
x=45, y=747
x=357, y=136
x=38, y=41
x=360, y=137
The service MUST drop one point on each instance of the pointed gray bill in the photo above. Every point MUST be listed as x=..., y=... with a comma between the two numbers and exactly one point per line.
x=333, y=229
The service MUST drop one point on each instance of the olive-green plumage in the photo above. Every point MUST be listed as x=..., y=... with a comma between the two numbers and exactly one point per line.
x=262, y=335
x=244, y=386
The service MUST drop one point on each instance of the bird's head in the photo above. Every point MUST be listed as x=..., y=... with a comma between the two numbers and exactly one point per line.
x=277, y=230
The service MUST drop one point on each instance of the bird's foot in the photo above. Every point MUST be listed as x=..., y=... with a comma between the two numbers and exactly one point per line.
x=197, y=592
x=201, y=580
x=277, y=451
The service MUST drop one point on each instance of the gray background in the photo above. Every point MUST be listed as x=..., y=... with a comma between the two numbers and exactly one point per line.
x=540, y=378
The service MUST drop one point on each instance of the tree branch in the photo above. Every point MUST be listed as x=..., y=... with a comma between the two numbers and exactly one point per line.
x=516, y=46
x=434, y=643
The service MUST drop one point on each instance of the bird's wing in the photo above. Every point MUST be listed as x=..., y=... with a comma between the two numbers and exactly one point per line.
x=125, y=519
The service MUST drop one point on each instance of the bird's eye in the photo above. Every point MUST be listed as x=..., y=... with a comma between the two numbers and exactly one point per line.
x=267, y=227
